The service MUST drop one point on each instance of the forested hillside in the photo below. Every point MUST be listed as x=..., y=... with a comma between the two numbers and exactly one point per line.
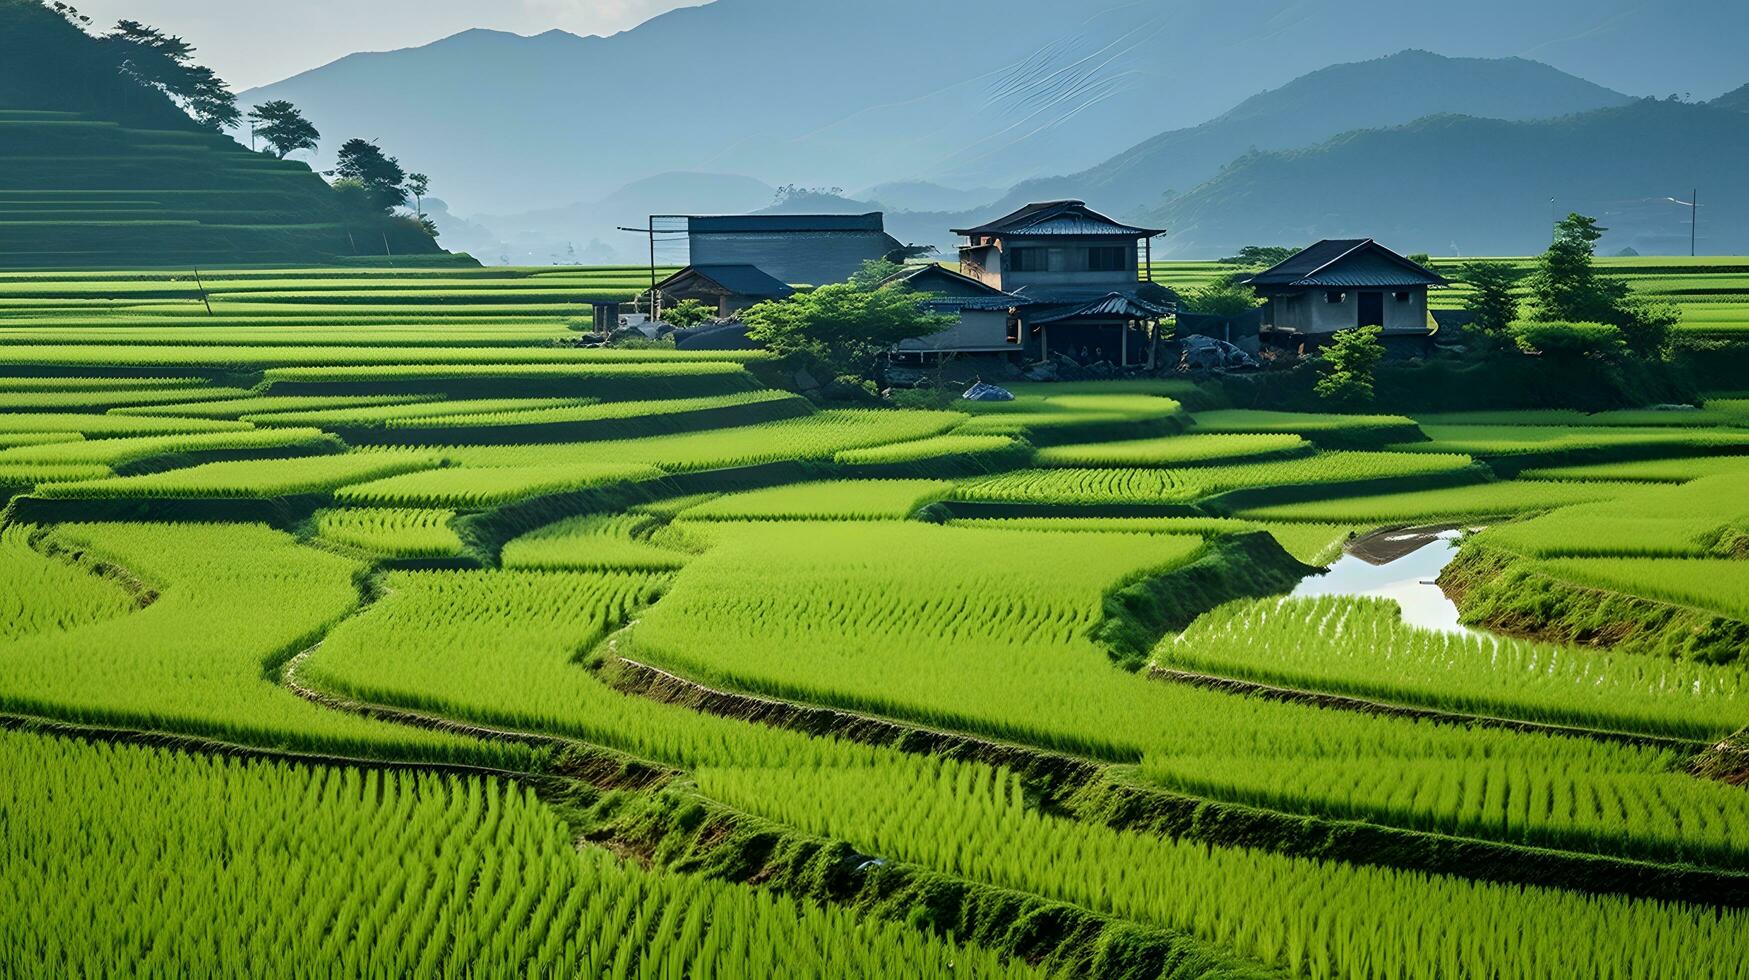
x=97, y=168
x=1458, y=185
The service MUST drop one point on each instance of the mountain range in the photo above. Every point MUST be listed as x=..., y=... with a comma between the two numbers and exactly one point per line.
x=979, y=93
x=1462, y=185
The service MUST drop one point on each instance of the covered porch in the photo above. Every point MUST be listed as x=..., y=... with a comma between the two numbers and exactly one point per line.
x=1116, y=329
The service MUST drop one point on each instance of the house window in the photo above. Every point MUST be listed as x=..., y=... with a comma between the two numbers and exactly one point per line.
x=1028, y=260
x=1403, y=295
x=1335, y=296
x=1107, y=258
x=1013, y=330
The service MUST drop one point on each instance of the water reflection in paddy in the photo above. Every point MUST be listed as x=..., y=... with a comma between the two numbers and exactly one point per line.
x=1398, y=565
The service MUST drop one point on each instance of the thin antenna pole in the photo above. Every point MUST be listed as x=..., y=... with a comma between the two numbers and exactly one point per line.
x=1693, y=219
x=651, y=224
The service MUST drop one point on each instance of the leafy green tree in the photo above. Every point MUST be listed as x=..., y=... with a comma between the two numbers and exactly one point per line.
x=843, y=328
x=1225, y=297
x=1421, y=259
x=379, y=175
x=1570, y=341
x=418, y=185
x=1491, y=301
x=874, y=272
x=166, y=62
x=687, y=313
x=1567, y=289
x=1346, y=366
x=1263, y=255
x=283, y=127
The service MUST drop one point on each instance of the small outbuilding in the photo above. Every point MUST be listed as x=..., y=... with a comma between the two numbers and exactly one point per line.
x=1339, y=284
x=985, y=317
x=728, y=289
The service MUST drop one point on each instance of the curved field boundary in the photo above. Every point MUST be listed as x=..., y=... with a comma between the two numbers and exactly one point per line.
x=600, y=767
x=666, y=824
x=197, y=457
x=685, y=831
x=1096, y=792
x=974, y=509
x=1505, y=593
x=1034, y=765
x=1231, y=501
x=1509, y=465
x=211, y=746
x=631, y=427
x=281, y=512
x=1345, y=702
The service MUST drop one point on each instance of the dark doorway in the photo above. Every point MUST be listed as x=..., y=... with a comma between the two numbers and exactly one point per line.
x=1372, y=310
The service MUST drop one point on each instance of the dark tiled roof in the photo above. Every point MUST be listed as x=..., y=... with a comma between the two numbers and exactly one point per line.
x=912, y=276
x=1109, y=305
x=1056, y=218
x=742, y=280
x=1145, y=292
x=1347, y=262
x=725, y=223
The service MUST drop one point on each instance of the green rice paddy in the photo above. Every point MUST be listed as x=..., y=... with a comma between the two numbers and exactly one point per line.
x=365, y=622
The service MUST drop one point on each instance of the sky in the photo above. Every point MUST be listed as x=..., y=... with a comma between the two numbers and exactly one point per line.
x=253, y=42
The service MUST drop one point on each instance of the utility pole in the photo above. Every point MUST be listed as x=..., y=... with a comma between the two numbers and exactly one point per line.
x=1693, y=219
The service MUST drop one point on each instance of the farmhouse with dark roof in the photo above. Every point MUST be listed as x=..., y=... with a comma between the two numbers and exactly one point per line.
x=1342, y=283
x=1067, y=280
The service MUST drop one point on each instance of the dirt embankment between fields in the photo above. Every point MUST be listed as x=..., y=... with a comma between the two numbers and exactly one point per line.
x=1504, y=593
x=1108, y=795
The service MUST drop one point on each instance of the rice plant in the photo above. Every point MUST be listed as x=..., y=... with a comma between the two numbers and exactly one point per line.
x=825, y=500
x=233, y=603
x=250, y=478
x=391, y=532
x=594, y=541
x=140, y=860
x=1360, y=646
x=473, y=488
x=1183, y=450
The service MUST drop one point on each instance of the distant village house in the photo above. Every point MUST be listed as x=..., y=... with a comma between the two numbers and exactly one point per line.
x=1340, y=284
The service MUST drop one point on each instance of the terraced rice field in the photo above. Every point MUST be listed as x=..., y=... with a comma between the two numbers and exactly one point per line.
x=365, y=627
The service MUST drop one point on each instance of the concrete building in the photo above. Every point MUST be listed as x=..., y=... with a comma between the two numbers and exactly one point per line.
x=798, y=249
x=1339, y=284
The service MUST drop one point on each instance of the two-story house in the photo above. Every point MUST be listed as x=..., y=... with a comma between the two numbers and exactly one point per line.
x=1067, y=281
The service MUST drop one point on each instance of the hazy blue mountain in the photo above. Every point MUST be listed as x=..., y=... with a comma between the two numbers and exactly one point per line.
x=589, y=230
x=1460, y=185
x=975, y=93
x=923, y=195
x=1737, y=98
x=1387, y=91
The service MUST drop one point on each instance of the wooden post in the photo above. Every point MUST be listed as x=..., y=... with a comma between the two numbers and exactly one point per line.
x=1123, y=343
